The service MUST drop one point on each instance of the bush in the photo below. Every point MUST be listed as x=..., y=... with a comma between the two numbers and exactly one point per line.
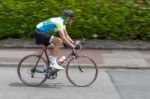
x=109, y=19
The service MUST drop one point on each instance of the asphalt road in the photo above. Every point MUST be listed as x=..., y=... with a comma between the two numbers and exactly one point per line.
x=110, y=84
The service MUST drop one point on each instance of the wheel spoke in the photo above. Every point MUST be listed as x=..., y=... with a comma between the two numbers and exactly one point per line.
x=88, y=71
x=31, y=70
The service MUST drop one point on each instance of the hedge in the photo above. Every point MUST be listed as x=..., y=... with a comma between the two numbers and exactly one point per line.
x=109, y=19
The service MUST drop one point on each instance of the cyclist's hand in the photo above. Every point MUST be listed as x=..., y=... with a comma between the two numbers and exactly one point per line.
x=77, y=47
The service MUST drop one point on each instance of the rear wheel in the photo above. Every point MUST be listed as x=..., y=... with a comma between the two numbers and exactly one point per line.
x=81, y=71
x=31, y=70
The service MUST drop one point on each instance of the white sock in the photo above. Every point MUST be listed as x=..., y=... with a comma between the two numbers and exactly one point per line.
x=53, y=60
x=50, y=57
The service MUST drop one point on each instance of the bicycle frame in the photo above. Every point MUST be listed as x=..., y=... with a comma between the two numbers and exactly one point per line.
x=72, y=60
x=44, y=51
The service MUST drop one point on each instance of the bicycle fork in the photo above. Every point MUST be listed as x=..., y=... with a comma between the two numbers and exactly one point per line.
x=77, y=63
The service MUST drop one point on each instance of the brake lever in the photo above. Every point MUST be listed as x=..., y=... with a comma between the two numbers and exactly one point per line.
x=83, y=42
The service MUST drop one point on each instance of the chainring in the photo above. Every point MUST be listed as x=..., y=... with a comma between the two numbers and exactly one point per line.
x=52, y=73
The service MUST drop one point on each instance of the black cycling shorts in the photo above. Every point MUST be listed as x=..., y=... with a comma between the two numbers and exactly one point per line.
x=41, y=37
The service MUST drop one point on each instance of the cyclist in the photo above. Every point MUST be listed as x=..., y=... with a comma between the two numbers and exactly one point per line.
x=46, y=32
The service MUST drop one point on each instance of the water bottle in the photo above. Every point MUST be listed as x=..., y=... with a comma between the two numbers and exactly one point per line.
x=61, y=60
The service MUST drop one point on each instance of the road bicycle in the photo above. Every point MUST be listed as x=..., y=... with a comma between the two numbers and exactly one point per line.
x=80, y=70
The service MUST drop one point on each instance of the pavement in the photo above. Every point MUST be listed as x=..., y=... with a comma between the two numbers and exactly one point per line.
x=110, y=84
x=108, y=59
x=124, y=74
x=133, y=54
x=91, y=44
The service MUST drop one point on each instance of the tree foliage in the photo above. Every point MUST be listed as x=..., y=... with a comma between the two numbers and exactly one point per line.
x=109, y=19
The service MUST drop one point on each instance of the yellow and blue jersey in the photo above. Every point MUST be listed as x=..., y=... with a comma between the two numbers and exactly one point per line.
x=52, y=25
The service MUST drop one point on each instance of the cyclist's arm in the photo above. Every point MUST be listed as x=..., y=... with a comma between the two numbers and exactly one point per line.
x=65, y=39
x=67, y=36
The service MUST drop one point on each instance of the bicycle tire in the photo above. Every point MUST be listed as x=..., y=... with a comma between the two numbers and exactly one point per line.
x=88, y=66
x=26, y=63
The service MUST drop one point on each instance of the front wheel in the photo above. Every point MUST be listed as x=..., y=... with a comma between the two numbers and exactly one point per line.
x=81, y=71
x=31, y=70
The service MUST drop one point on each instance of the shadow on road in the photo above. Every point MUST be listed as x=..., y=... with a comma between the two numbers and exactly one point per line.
x=47, y=85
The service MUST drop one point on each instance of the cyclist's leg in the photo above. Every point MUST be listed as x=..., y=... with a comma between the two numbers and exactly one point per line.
x=45, y=38
x=57, y=42
x=55, y=51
